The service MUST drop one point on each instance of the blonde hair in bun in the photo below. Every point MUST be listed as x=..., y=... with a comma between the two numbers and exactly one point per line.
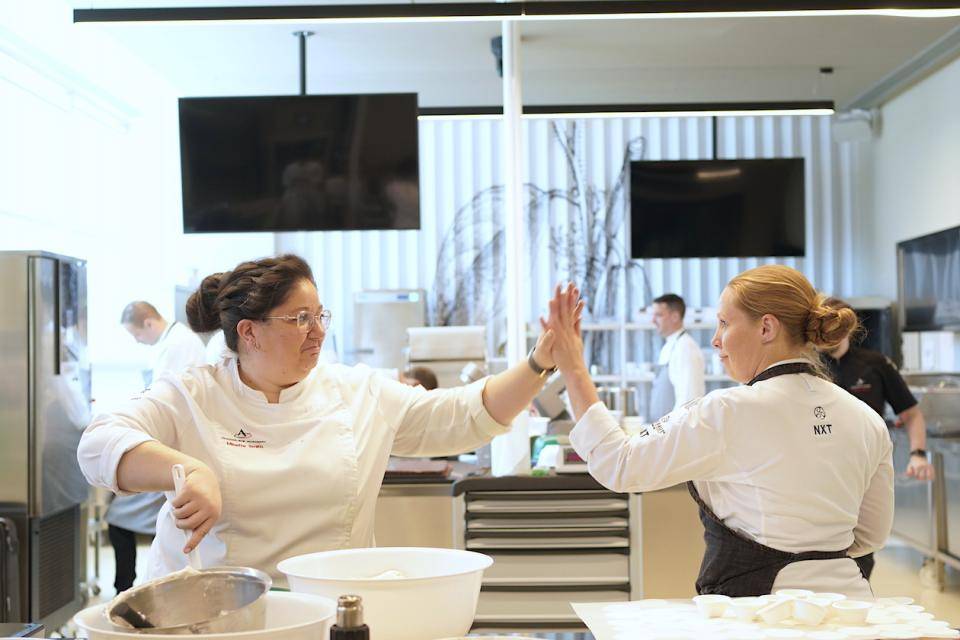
x=786, y=293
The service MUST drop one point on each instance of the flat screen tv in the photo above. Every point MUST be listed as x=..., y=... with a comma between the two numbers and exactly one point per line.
x=300, y=163
x=929, y=275
x=717, y=208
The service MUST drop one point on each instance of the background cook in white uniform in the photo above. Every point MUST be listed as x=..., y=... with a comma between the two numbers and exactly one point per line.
x=763, y=457
x=679, y=370
x=283, y=457
x=174, y=348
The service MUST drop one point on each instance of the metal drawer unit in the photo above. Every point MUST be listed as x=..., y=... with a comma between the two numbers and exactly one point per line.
x=550, y=548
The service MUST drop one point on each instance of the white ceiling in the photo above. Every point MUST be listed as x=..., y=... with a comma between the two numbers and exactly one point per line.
x=564, y=62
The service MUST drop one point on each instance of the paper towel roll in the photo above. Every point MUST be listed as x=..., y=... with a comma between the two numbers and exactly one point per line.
x=510, y=453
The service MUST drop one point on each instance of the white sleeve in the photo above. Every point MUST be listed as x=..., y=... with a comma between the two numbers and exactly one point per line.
x=151, y=415
x=686, y=444
x=876, y=511
x=437, y=422
x=686, y=372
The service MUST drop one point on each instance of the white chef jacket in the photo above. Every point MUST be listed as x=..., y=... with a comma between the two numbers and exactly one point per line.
x=176, y=350
x=793, y=462
x=684, y=360
x=296, y=477
x=216, y=348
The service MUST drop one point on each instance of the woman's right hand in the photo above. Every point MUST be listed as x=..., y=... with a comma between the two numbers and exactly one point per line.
x=199, y=504
x=564, y=325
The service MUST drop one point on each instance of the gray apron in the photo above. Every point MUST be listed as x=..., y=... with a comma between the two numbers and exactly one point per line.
x=137, y=513
x=735, y=565
x=662, y=394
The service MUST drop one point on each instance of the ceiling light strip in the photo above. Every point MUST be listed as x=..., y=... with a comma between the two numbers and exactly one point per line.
x=682, y=110
x=521, y=10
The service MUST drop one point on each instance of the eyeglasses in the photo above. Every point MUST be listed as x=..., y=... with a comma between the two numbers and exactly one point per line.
x=306, y=320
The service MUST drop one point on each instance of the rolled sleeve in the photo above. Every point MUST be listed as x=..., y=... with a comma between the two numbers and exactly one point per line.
x=443, y=421
x=152, y=415
x=595, y=426
x=101, y=449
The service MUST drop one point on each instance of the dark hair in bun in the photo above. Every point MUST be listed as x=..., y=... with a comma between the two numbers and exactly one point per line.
x=249, y=292
x=827, y=326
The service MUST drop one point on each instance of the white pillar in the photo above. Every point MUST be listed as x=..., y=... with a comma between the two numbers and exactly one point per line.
x=517, y=265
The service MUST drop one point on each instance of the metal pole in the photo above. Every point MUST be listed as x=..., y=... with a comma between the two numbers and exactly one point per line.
x=303, y=35
x=516, y=288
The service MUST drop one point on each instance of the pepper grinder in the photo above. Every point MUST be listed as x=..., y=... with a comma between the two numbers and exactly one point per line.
x=349, y=620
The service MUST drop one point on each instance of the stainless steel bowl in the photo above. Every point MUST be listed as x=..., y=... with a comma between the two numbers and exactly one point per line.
x=215, y=600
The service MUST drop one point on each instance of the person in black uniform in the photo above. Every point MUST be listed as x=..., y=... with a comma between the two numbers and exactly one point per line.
x=872, y=377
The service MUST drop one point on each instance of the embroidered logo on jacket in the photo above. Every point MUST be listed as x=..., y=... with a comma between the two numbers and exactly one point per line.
x=243, y=439
x=819, y=413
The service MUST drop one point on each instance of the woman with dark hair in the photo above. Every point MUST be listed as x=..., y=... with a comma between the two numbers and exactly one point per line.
x=792, y=475
x=283, y=457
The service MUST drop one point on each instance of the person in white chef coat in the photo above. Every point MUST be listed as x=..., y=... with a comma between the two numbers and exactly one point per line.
x=793, y=475
x=679, y=374
x=283, y=457
x=174, y=348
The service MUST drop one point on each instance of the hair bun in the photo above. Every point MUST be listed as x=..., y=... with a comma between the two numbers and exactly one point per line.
x=827, y=326
x=203, y=312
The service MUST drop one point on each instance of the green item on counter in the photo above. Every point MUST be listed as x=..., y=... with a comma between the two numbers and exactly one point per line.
x=538, y=444
x=540, y=472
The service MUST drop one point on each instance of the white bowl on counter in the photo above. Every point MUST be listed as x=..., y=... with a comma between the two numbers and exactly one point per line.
x=290, y=616
x=409, y=593
x=810, y=611
x=745, y=608
x=711, y=605
x=850, y=611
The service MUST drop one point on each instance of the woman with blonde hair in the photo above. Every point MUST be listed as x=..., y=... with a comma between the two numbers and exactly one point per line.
x=792, y=475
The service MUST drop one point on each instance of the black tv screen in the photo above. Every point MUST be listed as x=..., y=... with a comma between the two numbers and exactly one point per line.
x=716, y=208
x=930, y=281
x=300, y=163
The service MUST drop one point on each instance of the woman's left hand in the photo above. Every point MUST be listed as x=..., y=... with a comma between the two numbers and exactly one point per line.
x=920, y=468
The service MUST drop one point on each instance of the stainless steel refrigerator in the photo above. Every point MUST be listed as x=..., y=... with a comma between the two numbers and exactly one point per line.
x=44, y=406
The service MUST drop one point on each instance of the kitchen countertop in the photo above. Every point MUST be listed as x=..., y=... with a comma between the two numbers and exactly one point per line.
x=468, y=477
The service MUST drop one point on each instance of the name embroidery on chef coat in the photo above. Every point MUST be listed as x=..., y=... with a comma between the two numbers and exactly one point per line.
x=243, y=439
x=822, y=429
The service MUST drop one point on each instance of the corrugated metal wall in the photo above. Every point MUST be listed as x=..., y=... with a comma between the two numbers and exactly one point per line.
x=462, y=213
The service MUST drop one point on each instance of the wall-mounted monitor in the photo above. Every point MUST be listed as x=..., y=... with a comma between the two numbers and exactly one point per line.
x=300, y=163
x=717, y=208
x=929, y=279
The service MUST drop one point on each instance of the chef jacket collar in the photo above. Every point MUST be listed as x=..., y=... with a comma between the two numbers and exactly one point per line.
x=287, y=395
x=787, y=361
x=166, y=332
x=674, y=336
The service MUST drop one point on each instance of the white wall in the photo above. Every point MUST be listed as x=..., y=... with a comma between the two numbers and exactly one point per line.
x=89, y=167
x=909, y=176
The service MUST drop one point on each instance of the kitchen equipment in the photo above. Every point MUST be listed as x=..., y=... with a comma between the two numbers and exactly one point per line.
x=569, y=461
x=940, y=405
x=45, y=400
x=216, y=600
x=435, y=597
x=289, y=616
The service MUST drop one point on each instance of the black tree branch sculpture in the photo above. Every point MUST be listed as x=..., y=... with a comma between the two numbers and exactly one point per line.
x=590, y=250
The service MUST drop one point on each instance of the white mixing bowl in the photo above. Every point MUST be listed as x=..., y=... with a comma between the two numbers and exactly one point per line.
x=434, y=596
x=290, y=616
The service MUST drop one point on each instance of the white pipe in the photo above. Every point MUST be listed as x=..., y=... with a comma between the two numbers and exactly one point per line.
x=516, y=289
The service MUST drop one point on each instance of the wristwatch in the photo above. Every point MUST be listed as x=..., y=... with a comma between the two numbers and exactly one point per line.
x=537, y=369
x=919, y=452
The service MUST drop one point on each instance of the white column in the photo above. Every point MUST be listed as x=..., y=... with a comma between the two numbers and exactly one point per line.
x=516, y=284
